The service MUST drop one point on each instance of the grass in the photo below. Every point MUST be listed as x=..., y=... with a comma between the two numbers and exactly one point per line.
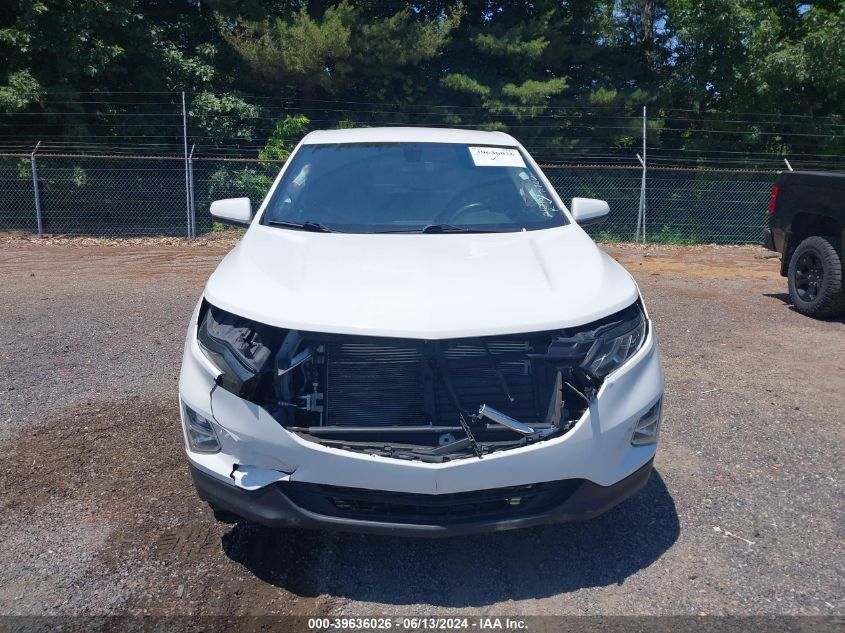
x=667, y=235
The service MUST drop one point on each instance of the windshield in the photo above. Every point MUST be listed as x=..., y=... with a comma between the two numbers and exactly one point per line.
x=411, y=187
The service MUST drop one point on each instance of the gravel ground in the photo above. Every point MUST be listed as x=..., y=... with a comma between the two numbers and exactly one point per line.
x=743, y=515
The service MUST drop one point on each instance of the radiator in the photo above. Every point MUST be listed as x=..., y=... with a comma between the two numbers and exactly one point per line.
x=385, y=382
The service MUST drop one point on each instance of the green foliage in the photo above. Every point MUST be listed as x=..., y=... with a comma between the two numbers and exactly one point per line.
x=513, y=43
x=21, y=90
x=511, y=66
x=225, y=116
x=79, y=177
x=300, y=50
x=605, y=236
x=231, y=182
x=603, y=96
x=758, y=55
x=248, y=181
x=343, y=47
x=253, y=182
x=24, y=169
x=533, y=92
x=668, y=235
x=66, y=46
x=503, y=66
x=798, y=55
x=284, y=138
x=465, y=84
x=218, y=227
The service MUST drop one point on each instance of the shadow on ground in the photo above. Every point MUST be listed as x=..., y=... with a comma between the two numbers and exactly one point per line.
x=784, y=296
x=464, y=571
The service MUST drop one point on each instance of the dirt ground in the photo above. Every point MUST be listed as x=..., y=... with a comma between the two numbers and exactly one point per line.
x=743, y=515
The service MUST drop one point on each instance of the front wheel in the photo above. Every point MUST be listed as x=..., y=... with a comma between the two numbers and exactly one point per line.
x=815, y=278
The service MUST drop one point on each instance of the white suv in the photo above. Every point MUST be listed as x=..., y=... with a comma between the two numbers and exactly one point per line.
x=416, y=336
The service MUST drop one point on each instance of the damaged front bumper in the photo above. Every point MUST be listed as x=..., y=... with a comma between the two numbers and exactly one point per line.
x=301, y=505
x=260, y=460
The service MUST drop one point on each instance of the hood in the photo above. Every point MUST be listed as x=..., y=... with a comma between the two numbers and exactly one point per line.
x=431, y=286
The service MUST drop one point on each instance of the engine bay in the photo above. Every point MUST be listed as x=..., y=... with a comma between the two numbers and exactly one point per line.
x=427, y=400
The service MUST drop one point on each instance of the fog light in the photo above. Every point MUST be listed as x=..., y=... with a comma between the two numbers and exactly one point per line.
x=201, y=435
x=646, y=428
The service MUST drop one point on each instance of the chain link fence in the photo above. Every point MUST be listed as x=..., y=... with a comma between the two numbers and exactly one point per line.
x=620, y=186
x=131, y=196
x=691, y=207
x=683, y=205
x=17, y=197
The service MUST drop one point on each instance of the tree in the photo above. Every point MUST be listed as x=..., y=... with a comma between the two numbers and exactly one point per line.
x=343, y=51
x=563, y=75
x=499, y=61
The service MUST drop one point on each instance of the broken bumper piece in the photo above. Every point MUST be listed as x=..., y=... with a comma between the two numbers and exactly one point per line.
x=307, y=505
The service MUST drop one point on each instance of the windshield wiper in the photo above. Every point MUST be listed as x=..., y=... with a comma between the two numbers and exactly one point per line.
x=449, y=228
x=439, y=228
x=314, y=227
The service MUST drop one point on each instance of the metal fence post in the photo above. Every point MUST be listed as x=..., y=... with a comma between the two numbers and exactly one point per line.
x=187, y=176
x=191, y=203
x=641, y=218
x=641, y=207
x=35, y=190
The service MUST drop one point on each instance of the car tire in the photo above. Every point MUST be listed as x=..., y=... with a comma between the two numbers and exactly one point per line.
x=815, y=277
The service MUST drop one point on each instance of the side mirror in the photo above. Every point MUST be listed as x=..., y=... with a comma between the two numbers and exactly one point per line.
x=236, y=211
x=589, y=210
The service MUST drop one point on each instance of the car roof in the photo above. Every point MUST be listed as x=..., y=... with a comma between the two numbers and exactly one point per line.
x=408, y=135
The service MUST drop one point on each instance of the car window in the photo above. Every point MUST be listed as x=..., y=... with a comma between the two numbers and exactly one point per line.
x=398, y=187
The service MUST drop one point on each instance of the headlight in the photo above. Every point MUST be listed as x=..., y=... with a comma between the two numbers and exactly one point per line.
x=237, y=347
x=202, y=437
x=616, y=341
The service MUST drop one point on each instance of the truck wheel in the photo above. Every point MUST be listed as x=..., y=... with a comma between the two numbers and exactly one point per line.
x=815, y=278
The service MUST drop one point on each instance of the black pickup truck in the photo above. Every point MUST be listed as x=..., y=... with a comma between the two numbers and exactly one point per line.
x=807, y=227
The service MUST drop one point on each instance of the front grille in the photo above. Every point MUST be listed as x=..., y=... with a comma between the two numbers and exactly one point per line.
x=384, y=382
x=421, y=509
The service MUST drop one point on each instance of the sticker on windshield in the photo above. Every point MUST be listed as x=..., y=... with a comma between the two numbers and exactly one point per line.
x=496, y=157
